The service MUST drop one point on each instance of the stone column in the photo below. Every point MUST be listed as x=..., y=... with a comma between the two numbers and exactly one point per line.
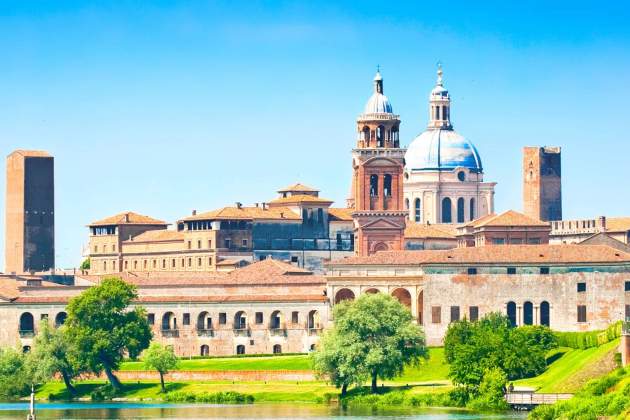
x=414, y=304
x=519, y=315
x=536, y=315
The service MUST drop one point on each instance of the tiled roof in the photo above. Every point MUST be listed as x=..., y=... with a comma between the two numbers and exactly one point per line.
x=424, y=230
x=297, y=188
x=246, y=213
x=499, y=254
x=31, y=153
x=128, y=218
x=340, y=214
x=8, y=289
x=186, y=298
x=158, y=235
x=300, y=198
x=508, y=218
x=270, y=271
x=617, y=224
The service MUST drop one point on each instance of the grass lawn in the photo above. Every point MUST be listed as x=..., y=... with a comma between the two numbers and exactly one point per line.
x=298, y=362
x=569, y=372
x=433, y=370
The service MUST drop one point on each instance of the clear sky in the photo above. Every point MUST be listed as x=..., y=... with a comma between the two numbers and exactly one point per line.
x=167, y=106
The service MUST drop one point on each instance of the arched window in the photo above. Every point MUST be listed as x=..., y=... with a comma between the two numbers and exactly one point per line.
x=472, y=209
x=406, y=204
x=395, y=137
x=27, y=323
x=371, y=291
x=365, y=135
x=277, y=349
x=446, y=211
x=204, y=322
x=240, y=320
x=387, y=185
x=275, y=321
x=320, y=216
x=437, y=112
x=460, y=210
x=380, y=135
x=418, y=210
x=313, y=321
x=420, y=307
x=26, y=349
x=205, y=350
x=528, y=313
x=511, y=313
x=344, y=294
x=240, y=349
x=544, y=313
x=313, y=347
x=169, y=322
x=373, y=185
x=403, y=296
x=60, y=319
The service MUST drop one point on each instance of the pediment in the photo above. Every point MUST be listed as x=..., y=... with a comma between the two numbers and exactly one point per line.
x=381, y=161
x=381, y=223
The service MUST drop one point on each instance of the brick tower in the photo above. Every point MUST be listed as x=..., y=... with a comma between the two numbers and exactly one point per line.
x=30, y=212
x=377, y=181
x=542, y=183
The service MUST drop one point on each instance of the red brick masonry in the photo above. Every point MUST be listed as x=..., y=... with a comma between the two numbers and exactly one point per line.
x=218, y=375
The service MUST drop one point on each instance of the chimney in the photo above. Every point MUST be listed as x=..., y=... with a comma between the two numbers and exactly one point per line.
x=126, y=217
x=282, y=215
x=194, y=212
x=264, y=206
x=256, y=204
x=239, y=205
x=602, y=222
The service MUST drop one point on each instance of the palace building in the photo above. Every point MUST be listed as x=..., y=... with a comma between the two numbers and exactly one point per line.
x=443, y=180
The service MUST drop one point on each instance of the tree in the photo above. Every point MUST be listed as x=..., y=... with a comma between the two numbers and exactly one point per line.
x=52, y=354
x=161, y=358
x=102, y=327
x=472, y=348
x=491, y=395
x=85, y=265
x=14, y=381
x=373, y=337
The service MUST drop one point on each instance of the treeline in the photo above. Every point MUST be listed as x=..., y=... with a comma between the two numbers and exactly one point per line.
x=588, y=339
x=100, y=330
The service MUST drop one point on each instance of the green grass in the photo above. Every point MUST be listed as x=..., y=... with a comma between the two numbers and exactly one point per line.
x=435, y=369
x=570, y=371
x=298, y=362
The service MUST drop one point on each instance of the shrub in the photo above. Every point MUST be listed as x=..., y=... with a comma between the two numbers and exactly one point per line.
x=103, y=393
x=491, y=392
x=588, y=339
x=229, y=397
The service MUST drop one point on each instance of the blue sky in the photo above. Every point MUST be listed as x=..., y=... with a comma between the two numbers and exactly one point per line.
x=166, y=107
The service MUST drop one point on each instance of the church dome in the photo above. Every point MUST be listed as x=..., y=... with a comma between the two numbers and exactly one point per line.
x=442, y=149
x=378, y=103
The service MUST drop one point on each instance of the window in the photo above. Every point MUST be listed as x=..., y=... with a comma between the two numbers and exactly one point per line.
x=144, y=264
x=626, y=286
x=544, y=270
x=199, y=262
x=189, y=262
x=472, y=209
x=516, y=241
x=581, y=287
x=461, y=175
x=472, y=270
x=436, y=314
x=446, y=211
x=473, y=313
x=295, y=317
x=240, y=349
x=151, y=319
x=295, y=259
x=43, y=316
x=114, y=248
x=95, y=249
x=581, y=313
x=244, y=243
x=498, y=241
x=545, y=313
x=373, y=185
x=454, y=313
x=173, y=263
x=259, y=317
x=104, y=265
x=627, y=312
x=418, y=210
x=210, y=261
x=135, y=265
x=163, y=263
x=222, y=318
x=205, y=350
x=199, y=244
x=511, y=313
x=528, y=313
x=387, y=185
x=189, y=244
x=154, y=264
x=511, y=270
x=228, y=242
x=460, y=210
x=126, y=264
x=186, y=320
x=533, y=241
x=209, y=243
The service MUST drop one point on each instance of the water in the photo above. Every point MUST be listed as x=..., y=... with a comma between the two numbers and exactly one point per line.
x=242, y=412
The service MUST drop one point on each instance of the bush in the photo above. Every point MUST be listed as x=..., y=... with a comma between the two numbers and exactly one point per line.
x=14, y=380
x=229, y=397
x=103, y=393
x=588, y=339
x=490, y=396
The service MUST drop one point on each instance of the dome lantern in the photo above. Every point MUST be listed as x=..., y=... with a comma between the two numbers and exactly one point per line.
x=440, y=104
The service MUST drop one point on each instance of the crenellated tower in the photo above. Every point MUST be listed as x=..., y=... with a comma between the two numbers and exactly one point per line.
x=377, y=182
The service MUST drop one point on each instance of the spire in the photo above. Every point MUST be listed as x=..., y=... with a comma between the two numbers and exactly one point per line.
x=378, y=80
x=440, y=104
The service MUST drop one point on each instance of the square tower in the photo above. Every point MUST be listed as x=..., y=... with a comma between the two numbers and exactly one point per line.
x=542, y=183
x=30, y=212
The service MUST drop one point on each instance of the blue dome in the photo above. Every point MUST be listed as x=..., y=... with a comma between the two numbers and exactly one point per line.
x=378, y=104
x=442, y=149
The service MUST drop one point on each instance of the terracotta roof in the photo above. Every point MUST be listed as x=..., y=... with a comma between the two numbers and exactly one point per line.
x=300, y=198
x=191, y=298
x=499, y=254
x=508, y=218
x=297, y=188
x=617, y=224
x=270, y=271
x=31, y=153
x=246, y=213
x=424, y=230
x=158, y=235
x=479, y=220
x=8, y=289
x=128, y=218
x=340, y=214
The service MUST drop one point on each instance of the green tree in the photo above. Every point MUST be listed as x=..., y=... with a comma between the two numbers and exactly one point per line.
x=53, y=354
x=14, y=381
x=161, y=358
x=373, y=337
x=102, y=327
x=491, y=391
x=85, y=265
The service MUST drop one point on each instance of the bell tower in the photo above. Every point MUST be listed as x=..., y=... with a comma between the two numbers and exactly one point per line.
x=377, y=181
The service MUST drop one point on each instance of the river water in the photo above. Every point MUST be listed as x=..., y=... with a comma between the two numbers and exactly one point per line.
x=241, y=412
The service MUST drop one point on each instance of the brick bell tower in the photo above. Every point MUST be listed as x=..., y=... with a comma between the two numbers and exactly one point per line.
x=377, y=180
